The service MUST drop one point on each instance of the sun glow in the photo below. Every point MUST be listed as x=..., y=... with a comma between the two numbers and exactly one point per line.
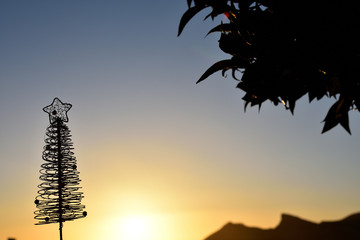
x=135, y=227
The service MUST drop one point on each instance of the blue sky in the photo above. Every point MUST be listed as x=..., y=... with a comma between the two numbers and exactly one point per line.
x=147, y=138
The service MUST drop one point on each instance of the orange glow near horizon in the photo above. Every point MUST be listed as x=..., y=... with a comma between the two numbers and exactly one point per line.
x=138, y=226
x=154, y=190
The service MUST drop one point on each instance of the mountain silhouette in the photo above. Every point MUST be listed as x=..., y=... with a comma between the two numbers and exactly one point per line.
x=294, y=228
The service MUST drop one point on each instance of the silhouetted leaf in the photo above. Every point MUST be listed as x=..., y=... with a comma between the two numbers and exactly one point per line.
x=329, y=124
x=316, y=93
x=245, y=105
x=190, y=13
x=344, y=122
x=292, y=106
x=189, y=3
x=357, y=102
x=338, y=113
x=253, y=100
x=233, y=63
x=221, y=28
x=218, y=7
x=213, y=14
x=223, y=64
x=233, y=74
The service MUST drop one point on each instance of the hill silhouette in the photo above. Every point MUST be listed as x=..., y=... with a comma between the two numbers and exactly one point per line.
x=294, y=228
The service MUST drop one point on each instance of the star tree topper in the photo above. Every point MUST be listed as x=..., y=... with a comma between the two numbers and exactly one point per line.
x=57, y=109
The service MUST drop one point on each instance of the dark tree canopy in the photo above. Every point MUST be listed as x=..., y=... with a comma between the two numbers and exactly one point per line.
x=286, y=49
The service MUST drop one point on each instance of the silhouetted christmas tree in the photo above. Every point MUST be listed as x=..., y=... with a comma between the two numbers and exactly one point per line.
x=59, y=199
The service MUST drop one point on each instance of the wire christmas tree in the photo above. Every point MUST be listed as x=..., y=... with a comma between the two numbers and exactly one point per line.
x=59, y=199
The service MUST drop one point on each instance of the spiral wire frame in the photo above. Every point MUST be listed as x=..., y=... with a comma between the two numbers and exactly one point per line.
x=59, y=198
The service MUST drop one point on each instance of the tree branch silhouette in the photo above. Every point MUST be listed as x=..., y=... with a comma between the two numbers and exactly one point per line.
x=287, y=49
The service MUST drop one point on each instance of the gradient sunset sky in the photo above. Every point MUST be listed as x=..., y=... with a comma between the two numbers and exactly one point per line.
x=155, y=150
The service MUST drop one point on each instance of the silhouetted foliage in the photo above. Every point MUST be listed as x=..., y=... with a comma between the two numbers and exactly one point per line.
x=286, y=49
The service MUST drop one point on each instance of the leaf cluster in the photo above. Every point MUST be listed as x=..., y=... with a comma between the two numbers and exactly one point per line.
x=287, y=49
